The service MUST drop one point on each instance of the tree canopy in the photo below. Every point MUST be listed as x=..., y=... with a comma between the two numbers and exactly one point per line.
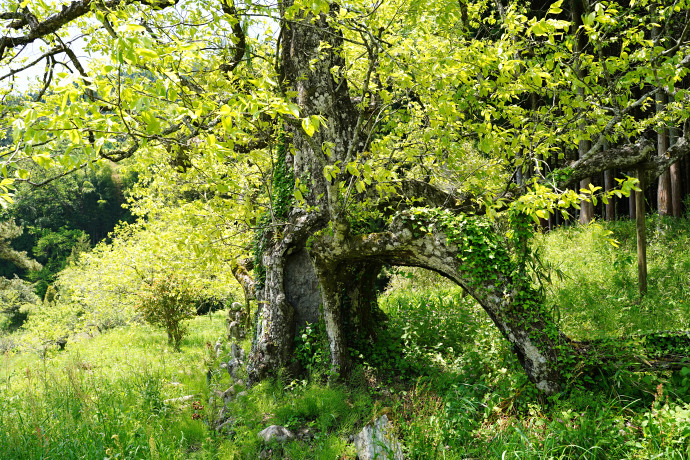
x=359, y=133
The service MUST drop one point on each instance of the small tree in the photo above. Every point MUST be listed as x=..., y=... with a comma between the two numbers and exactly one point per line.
x=167, y=302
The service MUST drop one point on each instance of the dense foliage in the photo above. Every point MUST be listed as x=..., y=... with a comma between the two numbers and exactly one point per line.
x=63, y=219
x=17, y=299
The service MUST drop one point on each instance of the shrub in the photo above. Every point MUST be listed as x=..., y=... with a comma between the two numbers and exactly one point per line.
x=167, y=302
x=17, y=298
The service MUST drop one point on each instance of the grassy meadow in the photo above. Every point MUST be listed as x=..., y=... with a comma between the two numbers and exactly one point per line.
x=439, y=369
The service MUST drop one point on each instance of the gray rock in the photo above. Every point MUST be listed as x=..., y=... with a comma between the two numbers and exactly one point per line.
x=178, y=400
x=234, y=330
x=237, y=352
x=233, y=366
x=376, y=442
x=226, y=425
x=302, y=288
x=228, y=394
x=239, y=319
x=223, y=413
x=276, y=433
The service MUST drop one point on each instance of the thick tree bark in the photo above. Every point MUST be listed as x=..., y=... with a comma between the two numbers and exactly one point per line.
x=302, y=288
x=275, y=317
x=664, y=194
x=332, y=295
x=306, y=70
x=240, y=270
x=361, y=300
x=676, y=190
x=676, y=181
x=272, y=347
x=632, y=206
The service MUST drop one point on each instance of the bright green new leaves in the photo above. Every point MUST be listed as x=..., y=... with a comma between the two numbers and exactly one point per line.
x=540, y=200
x=168, y=301
x=6, y=185
x=465, y=96
x=310, y=124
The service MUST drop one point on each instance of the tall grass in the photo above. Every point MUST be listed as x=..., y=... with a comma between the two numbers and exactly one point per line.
x=598, y=296
x=105, y=397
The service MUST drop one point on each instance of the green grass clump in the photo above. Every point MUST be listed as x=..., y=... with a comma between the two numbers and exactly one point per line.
x=322, y=417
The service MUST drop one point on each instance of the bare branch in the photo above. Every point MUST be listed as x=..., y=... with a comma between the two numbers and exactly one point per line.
x=47, y=54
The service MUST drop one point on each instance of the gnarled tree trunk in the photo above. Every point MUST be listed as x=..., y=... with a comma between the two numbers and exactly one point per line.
x=535, y=338
x=346, y=265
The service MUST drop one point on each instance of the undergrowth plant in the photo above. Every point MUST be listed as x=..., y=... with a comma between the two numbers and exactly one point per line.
x=311, y=349
x=597, y=294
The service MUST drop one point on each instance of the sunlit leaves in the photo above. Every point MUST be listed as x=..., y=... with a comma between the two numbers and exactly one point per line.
x=444, y=103
x=310, y=124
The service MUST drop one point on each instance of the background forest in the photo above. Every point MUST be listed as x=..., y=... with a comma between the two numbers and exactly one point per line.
x=470, y=217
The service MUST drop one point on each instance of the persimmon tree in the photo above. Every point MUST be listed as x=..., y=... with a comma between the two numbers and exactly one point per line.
x=351, y=135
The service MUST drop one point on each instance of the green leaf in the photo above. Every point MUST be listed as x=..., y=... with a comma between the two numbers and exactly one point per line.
x=147, y=54
x=135, y=28
x=308, y=126
x=555, y=8
x=43, y=160
x=298, y=195
x=293, y=109
x=352, y=169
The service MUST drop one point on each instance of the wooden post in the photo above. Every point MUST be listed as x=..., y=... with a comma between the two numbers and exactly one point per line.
x=631, y=203
x=610, y=207
x=641, y=234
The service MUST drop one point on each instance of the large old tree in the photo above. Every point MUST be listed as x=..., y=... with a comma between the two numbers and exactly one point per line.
x=403, y=132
